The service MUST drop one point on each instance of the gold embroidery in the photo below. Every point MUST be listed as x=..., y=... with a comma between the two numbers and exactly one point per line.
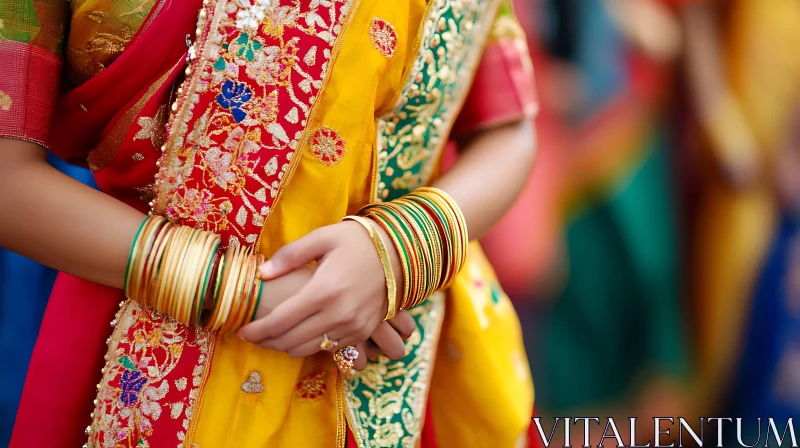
x=175, y=410
x=5, y=101
x=253, y=384
x=312, y=386
x=153, y=127
x=138, y=157
x=180, y=383
x=383, y=37
x=107, y=149
x=327, y=146
x=143, y=351
x=383, y=411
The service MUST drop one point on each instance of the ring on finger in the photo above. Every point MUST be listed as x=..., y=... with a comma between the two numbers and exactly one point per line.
x=345, y=358
x=327, y=343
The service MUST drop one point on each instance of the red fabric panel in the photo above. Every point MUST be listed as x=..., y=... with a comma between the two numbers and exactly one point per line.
x=503, y=89
x=29, y=81
x=65, y=366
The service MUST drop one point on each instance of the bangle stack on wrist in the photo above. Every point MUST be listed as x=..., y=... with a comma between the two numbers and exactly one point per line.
x=429, y=233
x=174, y=269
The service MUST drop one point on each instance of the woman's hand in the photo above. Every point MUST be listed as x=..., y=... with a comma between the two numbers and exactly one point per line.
x=276, y=291
x=345, y=299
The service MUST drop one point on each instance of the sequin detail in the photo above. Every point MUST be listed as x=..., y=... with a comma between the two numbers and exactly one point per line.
x=383, y=37
x=253, y=383
x=328, y=146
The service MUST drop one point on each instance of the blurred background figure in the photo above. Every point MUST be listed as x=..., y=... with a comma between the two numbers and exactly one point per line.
x=608, y=336
x=24, y=289
x=743, y=73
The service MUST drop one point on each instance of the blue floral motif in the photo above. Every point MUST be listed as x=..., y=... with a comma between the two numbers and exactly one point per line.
x=233, y=96
x=132, y=383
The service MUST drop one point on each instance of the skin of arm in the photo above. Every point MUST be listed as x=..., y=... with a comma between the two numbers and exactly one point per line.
x=732, y=142
x=66, y=225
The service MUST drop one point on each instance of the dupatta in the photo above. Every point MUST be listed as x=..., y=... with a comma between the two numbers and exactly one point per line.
x=93, y=121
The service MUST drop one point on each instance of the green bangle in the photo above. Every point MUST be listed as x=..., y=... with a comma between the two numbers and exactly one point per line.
x=133, y=247
x=205, y=282
x=258, y=300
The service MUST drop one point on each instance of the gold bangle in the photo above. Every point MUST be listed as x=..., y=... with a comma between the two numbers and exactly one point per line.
x=383, y=254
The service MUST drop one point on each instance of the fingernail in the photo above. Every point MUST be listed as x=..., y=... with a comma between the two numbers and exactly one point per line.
x=266, y=269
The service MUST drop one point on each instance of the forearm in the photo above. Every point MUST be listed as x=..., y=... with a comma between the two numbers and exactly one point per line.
x=719, y=111
x=490, y=173
x=59, y=222
x=704, y=64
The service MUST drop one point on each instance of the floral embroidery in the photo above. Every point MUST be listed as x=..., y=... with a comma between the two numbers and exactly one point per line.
x=5, y=101
x=249, y=19
x=311, y=386
x=233, y=97
x=244, y=110
x=152, y=127
x=411, y=136
x=386, y=401
x=383, y=37
x=253, y=383
x=327, y=146
x=131, y=382
x=146, y=352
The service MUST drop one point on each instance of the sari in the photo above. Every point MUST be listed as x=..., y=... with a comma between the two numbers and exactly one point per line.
x=734, y=226
x=262, y=134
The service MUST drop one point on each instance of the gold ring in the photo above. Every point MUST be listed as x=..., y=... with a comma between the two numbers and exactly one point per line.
x=327, y=343
x=345, y=357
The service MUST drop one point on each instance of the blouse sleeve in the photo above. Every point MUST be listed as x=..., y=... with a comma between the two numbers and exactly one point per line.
x=503, y=88
x=31, y=34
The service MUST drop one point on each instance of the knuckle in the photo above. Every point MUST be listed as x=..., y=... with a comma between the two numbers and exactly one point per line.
x=349, y=318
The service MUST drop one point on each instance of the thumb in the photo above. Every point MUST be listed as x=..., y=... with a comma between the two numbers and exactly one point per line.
x=296, y=254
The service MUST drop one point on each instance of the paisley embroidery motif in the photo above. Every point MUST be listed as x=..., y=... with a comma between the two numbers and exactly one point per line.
x=145, y=350
x=383, y=37
x=327, y=146
x=253, y=384
x=259, y=68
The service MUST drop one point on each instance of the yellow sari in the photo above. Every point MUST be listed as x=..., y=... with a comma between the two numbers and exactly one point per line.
x=325, y=106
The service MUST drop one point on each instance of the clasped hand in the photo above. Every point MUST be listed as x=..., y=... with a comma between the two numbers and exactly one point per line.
x=343, y=297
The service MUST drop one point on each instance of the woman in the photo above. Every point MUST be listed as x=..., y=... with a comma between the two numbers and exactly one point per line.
x=743, y=77
x=282, y=117
x=618, y=310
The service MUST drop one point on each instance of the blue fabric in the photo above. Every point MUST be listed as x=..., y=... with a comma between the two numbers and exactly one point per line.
x=767, y=383
x=24, y=289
